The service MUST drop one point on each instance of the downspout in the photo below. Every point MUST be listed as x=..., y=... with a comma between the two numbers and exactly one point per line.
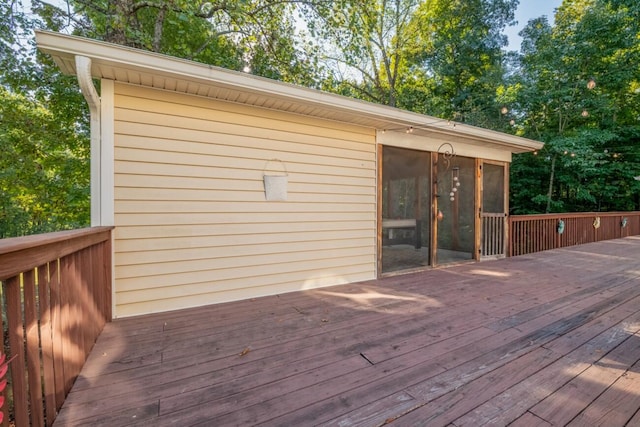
x=83, y=71
x=98, y=182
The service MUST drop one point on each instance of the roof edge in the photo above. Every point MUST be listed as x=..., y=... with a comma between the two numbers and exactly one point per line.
x=58, y=45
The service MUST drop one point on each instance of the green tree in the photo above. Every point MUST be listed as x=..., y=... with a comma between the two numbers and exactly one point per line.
x=44, y=169
x=44, y=179
x=254, y=35
x=578, y=91
x=363, y=44
x=459, y=52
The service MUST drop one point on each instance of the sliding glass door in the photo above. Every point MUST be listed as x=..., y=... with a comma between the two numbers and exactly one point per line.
x=406, y=209
x=428, y=209
x=494, y=210
x=456, y=208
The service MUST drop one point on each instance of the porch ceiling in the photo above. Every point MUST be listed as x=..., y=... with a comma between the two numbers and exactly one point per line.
x=148, y=69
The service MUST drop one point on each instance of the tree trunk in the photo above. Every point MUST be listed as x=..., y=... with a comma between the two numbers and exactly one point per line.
x=157, y=33
x=551, y=178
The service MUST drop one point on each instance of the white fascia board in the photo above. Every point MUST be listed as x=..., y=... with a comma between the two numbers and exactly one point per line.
x=107, y=163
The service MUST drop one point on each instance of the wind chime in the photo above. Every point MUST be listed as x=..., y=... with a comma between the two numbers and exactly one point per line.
x=455, y=183
x=447, y=154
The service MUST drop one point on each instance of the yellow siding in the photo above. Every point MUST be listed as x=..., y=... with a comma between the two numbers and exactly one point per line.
x=192, y=223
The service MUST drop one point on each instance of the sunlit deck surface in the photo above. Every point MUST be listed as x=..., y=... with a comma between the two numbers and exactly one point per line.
x=551, y=338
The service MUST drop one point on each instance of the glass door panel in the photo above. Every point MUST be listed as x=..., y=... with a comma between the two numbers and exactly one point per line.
x=456, y=209
x=493, y=210
x=406, y=207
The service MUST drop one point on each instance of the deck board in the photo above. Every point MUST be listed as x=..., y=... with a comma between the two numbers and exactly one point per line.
x=616, y=405
x=551, y=338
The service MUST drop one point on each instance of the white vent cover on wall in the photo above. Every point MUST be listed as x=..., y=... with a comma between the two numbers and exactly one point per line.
x=275, y=183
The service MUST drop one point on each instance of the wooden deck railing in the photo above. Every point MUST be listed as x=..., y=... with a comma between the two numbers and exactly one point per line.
x=535, y=233
x=56, y=298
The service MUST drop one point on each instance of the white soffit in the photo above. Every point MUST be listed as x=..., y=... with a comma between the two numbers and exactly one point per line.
x=128, y=65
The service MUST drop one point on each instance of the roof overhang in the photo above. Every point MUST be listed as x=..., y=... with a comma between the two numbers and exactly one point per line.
x=134, y=66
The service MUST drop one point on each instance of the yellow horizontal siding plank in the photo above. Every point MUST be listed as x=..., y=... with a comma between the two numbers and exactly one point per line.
x=221, y=280
x=239, y=250
x=143, y=98
x=222, y=240
x=259, y=263
x=122, y=232
x=203, y=289
x=257, y=207
x=214, y=195
x=239, y=165
x=136, y=182
x=159, y=304
x=171, y=219
x=149, y=175
x=158, y=126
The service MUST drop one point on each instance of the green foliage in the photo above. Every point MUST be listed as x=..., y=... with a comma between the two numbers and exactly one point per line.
x=364, y=44
x=258, y=35
x=44, y=176
x=459, y=48
x=591, y=153
x=44, y=167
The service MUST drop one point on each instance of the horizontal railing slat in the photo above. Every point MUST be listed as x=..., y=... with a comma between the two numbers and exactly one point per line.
x=20, y=254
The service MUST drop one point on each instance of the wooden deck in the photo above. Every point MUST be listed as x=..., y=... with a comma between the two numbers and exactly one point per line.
x=551, y=338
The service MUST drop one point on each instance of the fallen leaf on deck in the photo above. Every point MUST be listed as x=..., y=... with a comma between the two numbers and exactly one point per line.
x=245, y=352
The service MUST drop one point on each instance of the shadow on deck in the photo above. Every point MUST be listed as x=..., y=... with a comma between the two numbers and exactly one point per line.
x=551, y=338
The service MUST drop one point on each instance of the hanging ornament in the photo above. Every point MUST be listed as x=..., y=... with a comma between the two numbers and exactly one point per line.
x=596, y=222
x=455, y=183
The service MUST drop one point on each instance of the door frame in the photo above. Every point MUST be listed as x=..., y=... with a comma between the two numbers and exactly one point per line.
x=480, y=207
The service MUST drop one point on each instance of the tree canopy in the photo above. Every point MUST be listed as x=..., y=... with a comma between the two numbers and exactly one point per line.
x=579, y=92
x=575, y=84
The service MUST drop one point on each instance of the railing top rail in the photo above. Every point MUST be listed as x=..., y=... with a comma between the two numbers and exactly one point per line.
x=18, y=254
x=13, y=244
x=571, y=215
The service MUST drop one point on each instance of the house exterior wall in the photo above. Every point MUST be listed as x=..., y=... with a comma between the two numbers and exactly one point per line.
x=192, y=223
